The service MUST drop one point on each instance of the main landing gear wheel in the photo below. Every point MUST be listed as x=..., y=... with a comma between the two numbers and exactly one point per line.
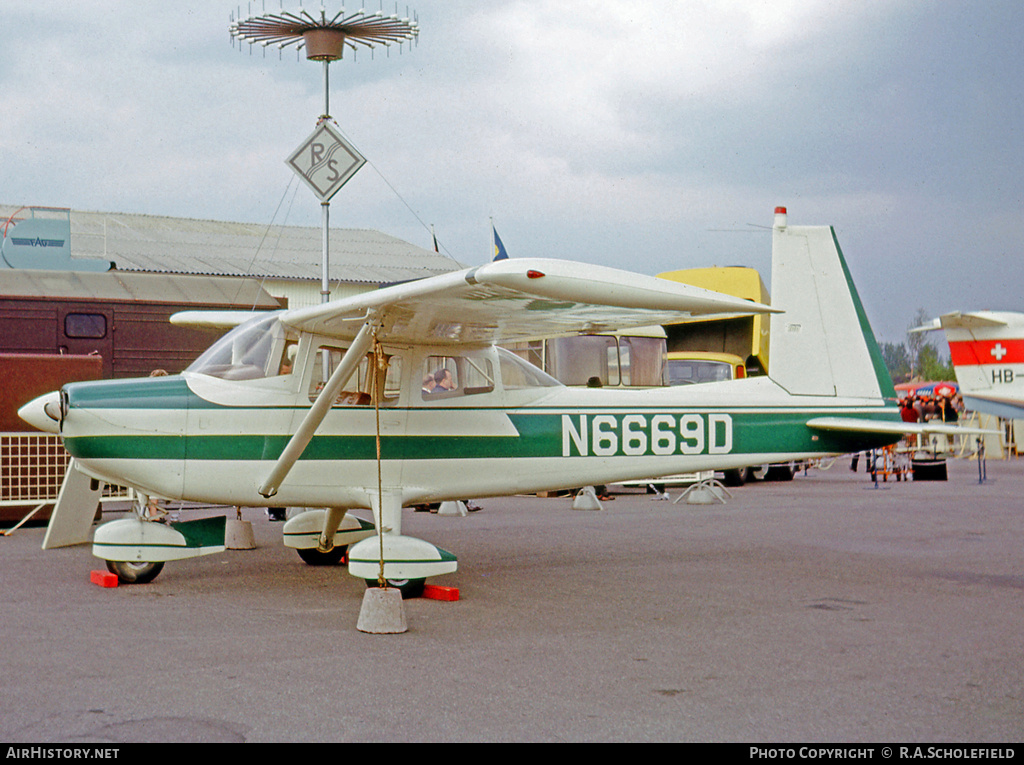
x=314, y=557
x=781, y=472
x=734, y=476
x=134, y=572
x=410, y=588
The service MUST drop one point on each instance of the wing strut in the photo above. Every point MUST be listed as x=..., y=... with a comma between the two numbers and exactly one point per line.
x=361, y=344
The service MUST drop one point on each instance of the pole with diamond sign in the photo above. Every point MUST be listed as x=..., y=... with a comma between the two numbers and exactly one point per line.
x=325, y=160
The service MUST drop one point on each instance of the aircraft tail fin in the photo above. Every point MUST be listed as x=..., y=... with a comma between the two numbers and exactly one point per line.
x=822, y=344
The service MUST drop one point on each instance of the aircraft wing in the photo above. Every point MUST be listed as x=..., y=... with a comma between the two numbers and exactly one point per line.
x=1001, y=406
x=962, y=320
x=212, y=319
x=512, y=300
x=853, y=425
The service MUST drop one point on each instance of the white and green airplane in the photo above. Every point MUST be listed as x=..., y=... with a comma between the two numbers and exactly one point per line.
x=330, y=407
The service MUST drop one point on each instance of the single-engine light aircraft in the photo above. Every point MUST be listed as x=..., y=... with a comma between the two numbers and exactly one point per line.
x=401, y=396
x=986, y=349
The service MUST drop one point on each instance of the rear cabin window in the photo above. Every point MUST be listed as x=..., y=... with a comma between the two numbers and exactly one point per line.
x=642, y=361
x=518, y=374
x=585, y=359
x=600, y=360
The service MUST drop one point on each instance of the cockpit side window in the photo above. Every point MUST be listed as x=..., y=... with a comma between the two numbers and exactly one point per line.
x=287, y=363
x=358, y=390
x=447, y=377
x=452, y=376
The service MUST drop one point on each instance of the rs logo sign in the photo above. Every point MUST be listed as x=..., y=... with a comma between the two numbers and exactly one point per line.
x=637, y=435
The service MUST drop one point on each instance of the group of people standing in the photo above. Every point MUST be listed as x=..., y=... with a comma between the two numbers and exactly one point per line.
x=925, y=407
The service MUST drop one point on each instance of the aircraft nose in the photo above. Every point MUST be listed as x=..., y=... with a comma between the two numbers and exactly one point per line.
x=43, y=413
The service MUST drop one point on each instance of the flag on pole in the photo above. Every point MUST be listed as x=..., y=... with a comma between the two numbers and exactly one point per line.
x=499, y=248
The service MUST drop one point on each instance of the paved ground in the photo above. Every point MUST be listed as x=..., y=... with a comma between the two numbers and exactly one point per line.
x=818, y=610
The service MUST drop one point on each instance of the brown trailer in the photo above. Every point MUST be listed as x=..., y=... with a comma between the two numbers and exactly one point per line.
x=58, y=327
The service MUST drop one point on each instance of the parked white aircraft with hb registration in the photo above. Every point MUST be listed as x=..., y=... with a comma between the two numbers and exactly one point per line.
x=986, y=349
x=326, y=407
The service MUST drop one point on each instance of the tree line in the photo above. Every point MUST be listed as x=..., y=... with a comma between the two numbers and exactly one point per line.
x=917, y=358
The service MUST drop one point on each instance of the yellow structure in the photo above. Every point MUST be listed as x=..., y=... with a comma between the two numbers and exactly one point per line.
x=746, y=336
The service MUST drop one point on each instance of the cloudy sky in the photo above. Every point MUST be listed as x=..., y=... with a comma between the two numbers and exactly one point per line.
x=648, y=135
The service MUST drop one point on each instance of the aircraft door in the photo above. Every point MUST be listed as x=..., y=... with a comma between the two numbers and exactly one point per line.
x=347, y=438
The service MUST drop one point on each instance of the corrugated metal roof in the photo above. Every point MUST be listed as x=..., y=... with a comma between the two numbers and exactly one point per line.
x=160, y=244
x=147, y=288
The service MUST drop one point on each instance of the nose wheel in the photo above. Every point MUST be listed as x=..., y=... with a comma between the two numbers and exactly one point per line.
x=314, y=557
x=134, y=572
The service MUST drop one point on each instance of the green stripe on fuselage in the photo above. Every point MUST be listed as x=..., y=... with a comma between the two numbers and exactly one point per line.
x=541, y=435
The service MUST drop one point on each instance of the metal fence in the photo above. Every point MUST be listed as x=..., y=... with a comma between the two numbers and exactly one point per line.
x=32, y=467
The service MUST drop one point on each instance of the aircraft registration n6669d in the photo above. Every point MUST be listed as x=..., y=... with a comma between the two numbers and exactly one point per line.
x=329, y=407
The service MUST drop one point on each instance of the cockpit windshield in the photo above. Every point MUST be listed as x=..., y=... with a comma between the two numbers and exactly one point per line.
x=252, y=350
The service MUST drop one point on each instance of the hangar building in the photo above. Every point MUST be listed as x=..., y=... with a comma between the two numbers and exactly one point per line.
x=88, y=294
